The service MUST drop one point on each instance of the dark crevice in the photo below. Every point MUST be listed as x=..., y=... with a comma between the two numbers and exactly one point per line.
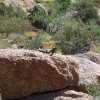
x=48, y=95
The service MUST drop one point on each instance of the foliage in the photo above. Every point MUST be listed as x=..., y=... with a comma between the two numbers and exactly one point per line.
x=14, y=25
x=77, y=39
x=38, y=17
x=4, y=43
x=64, y=4
x=70, y=35
x=86, y=11
x=10, y=12
x=37, y=41
x=30, y=34
x=13, y=21
x=73, y=41
x=95, y=47
x=55, y=9
x=94, y=90
x=37, y=14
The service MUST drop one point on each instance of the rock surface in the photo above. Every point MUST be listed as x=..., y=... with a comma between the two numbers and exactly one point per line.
x=25, y=5
x=23, y=72
x=95, y=57
x=89, y=70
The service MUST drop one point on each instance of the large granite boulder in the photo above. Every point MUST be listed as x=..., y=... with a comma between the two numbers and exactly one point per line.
x=89, y=73
x=23, y=72
x=33, y=75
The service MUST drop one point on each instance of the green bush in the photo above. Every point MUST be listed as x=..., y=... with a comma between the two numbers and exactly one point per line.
x=55, y=9
x=10, y=12
x=74, y=41
x=86, y=11
x=77, y=37
x=37, y=41
x=13, y=20
x=64, y=4
x=95, y=47
x=14, y=25
x=94, y=90
x=38, y=18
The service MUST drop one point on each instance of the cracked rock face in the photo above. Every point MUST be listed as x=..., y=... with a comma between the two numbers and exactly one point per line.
x=24, y=72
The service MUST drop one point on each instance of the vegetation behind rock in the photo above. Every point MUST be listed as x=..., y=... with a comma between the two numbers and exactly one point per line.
x=72, y=25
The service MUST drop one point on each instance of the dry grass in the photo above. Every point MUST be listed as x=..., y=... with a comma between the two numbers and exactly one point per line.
x=95, y=48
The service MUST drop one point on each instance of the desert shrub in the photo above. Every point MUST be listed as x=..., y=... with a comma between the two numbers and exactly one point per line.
x=37, y=14
x=74, y=41
x=17, y=39
x=4, y=43
x=86, y=11
x=13, y=21
x=30, y=34
x=63, y=4
x=52, y=22
x=77, y=37
x=20, y=39
x=55, y=9
x=14, y=25
x=37, y=41
x=9, y=11
x=94, y=90
x=95, y=47
x=38, y=17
